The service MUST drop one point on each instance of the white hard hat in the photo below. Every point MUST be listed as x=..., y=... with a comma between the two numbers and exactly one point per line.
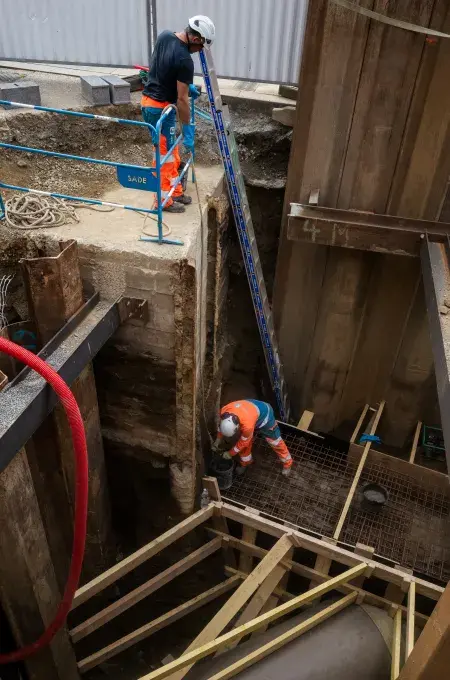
x=229, y=425
x=204, y=26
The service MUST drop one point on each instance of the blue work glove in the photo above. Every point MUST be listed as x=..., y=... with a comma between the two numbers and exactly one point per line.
x=193, y=92
x=188, y=136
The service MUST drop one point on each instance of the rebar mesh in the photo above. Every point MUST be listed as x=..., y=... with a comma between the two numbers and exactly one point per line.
x=412, y=529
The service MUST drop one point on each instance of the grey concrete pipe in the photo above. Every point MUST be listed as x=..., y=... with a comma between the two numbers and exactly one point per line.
x=352, y=645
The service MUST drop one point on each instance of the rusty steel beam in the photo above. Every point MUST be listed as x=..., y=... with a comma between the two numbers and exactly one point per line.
x=362, y=230
x=28, y=400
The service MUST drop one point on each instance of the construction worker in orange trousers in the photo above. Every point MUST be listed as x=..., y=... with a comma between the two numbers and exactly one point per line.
x=170, y=81
x=242, y=419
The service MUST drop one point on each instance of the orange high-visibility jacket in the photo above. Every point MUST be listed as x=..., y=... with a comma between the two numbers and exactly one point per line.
x=248, y=415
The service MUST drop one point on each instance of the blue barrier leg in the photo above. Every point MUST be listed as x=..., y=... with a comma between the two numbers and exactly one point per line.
x=160, y=238
x=193, y=123
x=158, y=190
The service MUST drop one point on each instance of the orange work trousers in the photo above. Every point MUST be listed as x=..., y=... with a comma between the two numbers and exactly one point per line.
x=151, y=113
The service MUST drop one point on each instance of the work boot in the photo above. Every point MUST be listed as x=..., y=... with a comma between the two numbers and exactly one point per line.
x=286, y=472
x=175, y=208
x=183, y=199
x=240, y=470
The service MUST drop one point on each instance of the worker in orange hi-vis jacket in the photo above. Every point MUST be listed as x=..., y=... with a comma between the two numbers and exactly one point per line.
x=242, y=419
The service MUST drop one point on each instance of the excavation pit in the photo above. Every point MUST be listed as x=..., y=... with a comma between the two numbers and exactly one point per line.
x=412, y=528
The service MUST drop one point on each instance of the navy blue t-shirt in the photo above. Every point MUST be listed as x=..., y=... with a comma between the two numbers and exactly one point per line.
x=171, y=61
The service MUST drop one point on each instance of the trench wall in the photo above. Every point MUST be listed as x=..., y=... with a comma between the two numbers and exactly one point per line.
x=352, y=325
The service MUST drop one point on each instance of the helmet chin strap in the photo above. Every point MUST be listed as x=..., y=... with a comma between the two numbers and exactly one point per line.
x=189, y=42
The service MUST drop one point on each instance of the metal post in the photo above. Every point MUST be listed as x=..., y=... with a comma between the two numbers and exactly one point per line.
x=154, y=13
x=158, y=188
x=193, y=123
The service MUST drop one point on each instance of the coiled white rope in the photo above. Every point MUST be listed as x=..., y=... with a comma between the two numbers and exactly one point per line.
x=34, y=211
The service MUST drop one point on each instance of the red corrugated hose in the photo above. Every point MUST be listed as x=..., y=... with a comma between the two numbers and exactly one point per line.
x=81, y=495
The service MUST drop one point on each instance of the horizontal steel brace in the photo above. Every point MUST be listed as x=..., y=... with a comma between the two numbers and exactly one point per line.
x=28, y=399
x=436, y=280
x=362, y=230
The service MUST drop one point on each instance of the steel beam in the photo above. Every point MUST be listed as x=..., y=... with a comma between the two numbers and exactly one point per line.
x=28, y=400
x=436, y=279
x=362, y=230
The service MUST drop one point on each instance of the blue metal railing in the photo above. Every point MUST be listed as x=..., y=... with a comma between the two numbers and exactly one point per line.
x=129, y=176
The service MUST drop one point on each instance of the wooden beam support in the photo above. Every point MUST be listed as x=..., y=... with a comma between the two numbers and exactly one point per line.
x=284, y=639
x=245, y=560
x=367, y=553
x=334, y=552
x=309, y=572
x=412, y=455
x=238, y=599
x=158, y=624
x=146, y=589
x=188, y=659
x=140, y=556
x=396, y=645
x=262, y=595
x=279, y=592
x=357, y=476
x=362, y=230
x=359, y=424
x=305, y=421
x=430, y=658
x=410, y=619
x=396, y=593
x=212, y=487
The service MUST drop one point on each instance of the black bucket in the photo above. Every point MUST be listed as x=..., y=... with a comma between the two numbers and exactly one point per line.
x=373, y=497
x=222, y=469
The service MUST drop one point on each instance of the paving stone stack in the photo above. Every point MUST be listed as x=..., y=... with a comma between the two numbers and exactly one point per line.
x=107, y=89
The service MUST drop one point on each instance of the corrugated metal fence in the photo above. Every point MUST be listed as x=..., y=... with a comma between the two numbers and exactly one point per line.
x=256, y=39
x=100, y=32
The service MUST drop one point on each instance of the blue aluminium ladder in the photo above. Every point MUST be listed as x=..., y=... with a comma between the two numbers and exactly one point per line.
x=241, y=210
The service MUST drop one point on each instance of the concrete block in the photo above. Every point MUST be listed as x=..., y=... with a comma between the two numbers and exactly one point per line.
x=28, y=92
x=285, y=116
x=119, y=90
x=150, y=280
x=23, y=92
x=95, y=90
x=8, y=92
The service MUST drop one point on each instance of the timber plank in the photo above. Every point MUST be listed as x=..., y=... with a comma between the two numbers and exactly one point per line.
x=190, y=657
x=430, y=658
x=137, y=558
x=391, y=63
x=413, y=370
x=283, y=639
x=236, y=601
x=422, y=171
x=341, y=309
x=158, y=624
x=334, y=552
x=386, y=306
x=138, y=594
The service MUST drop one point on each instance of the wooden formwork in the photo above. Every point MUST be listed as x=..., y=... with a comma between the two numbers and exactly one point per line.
x=257, y=579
